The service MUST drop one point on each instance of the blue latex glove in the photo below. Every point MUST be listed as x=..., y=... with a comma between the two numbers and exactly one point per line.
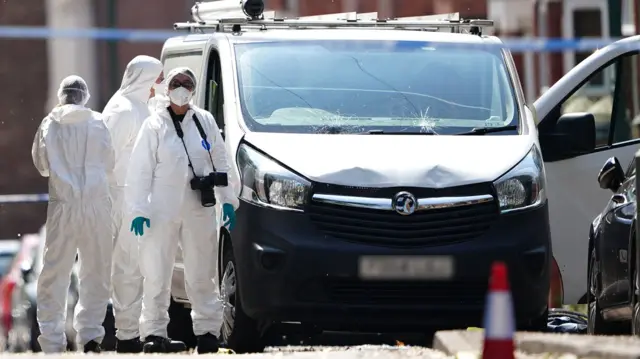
x=228, y=216
x=137, y=225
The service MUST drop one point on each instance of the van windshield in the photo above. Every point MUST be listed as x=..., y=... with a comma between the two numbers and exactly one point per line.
x=348, y=86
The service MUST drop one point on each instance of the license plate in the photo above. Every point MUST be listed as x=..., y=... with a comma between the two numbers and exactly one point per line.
x=405, y=267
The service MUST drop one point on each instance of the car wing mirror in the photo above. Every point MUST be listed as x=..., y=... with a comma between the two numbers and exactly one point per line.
x=611, y=175
x=574, y=134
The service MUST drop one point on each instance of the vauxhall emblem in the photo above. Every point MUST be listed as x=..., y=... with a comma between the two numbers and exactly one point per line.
x=405, y=203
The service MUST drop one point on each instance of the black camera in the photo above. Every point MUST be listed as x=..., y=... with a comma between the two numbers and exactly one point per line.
x=205, y=185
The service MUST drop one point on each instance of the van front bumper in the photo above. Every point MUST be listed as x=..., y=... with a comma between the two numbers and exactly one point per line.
x=289, y=270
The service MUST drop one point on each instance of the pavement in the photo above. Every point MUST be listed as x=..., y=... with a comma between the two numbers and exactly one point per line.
x=465, y=343
x=357, y=352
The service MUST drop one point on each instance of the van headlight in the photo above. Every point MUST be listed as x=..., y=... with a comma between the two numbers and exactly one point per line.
x=266, y=183
x=523, y=187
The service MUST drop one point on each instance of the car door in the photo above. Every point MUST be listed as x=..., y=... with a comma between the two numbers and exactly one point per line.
x=606, y=85
x=613, y=244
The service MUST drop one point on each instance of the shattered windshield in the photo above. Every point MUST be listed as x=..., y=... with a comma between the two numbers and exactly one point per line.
x=348, y=86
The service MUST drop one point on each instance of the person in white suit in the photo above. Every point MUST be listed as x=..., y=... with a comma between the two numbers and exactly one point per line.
x=73, y=149
x=124, y=114
x=178, y=147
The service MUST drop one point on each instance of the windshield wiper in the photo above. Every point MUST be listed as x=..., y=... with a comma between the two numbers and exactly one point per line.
x=382, y=132
x=485, y=130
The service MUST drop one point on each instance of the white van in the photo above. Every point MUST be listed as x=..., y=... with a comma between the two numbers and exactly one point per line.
x=384, y=169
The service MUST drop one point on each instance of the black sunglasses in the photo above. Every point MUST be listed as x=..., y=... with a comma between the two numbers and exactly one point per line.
x=174, y=84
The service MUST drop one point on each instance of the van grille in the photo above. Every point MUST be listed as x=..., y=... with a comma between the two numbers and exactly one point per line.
x=429, y=227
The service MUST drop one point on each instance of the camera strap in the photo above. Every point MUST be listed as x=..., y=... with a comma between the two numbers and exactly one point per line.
x=181, y=136
x=203, y=135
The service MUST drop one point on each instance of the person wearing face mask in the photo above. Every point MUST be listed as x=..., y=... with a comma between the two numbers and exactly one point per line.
x=123, y=115
x=176, y=147
x=73, y=149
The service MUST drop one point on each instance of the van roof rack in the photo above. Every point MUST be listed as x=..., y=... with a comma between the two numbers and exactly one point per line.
x=236, y=24
x=232, y=16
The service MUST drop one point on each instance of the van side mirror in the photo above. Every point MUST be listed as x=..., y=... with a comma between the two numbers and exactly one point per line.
x=611, y=175
x=574, y=134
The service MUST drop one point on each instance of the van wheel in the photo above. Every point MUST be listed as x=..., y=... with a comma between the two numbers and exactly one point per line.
x=239, y=332
x=597, y=324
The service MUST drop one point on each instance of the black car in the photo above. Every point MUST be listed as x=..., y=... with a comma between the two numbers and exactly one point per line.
x=613, y=256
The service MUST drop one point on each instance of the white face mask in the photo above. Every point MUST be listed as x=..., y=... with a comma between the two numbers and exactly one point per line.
x=180, y=96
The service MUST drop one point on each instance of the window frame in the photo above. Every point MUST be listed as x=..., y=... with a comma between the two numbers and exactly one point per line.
x=568, y=32
x=548, y=123
x=214, y=72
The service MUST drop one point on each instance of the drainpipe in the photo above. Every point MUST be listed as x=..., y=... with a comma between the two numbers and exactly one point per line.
x=350, y=5
x=542, y=11
x=385, y=9
x=68, y=56
x=112, y=48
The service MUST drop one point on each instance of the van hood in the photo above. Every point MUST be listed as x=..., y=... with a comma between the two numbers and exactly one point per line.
x=395, y=160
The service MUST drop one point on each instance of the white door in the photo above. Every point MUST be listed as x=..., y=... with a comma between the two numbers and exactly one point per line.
x=575, y=197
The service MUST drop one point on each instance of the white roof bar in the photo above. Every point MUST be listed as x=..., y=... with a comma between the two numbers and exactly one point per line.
x=431, y=25
x=368, y=16
x=449, y=16
x=336, y=16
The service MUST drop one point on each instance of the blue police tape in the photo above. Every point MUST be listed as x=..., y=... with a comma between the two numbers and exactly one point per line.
x=33, y=32
x=132, y=35
x=24, y=198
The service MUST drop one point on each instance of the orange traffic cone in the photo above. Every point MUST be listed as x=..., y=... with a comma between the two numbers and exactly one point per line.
x=499, y=322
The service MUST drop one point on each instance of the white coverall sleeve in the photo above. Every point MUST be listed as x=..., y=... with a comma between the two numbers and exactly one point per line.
x=221, y=160
x=39, y=150
x=111, y=154
x=140, y=172
x=122, y=127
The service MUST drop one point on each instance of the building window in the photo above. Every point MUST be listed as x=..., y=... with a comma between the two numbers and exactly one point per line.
x=586, y=19
x=587, y=23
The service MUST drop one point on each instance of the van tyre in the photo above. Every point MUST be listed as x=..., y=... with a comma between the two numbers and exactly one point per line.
x=239, y=332
x=597, y=325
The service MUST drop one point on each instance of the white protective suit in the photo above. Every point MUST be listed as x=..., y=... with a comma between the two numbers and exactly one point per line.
x=160, y=100
x=73, y=148
x=159, y=169
x=124, y=114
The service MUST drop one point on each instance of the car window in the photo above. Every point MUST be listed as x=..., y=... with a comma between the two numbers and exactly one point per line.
x=405, y=86
x=627, y=125
x=599, y=101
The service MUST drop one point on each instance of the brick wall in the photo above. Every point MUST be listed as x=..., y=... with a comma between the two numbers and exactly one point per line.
x=399, y=8
x=138, y=14
x=23, y=75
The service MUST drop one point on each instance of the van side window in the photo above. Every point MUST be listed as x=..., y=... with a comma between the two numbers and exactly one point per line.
x=597, y=101
x=189, y=58
x=214, y=94
x=615, y=104
x=627, y=121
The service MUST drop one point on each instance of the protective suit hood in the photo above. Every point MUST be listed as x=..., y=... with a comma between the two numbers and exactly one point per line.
x=141, y=73
x=67, y=114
